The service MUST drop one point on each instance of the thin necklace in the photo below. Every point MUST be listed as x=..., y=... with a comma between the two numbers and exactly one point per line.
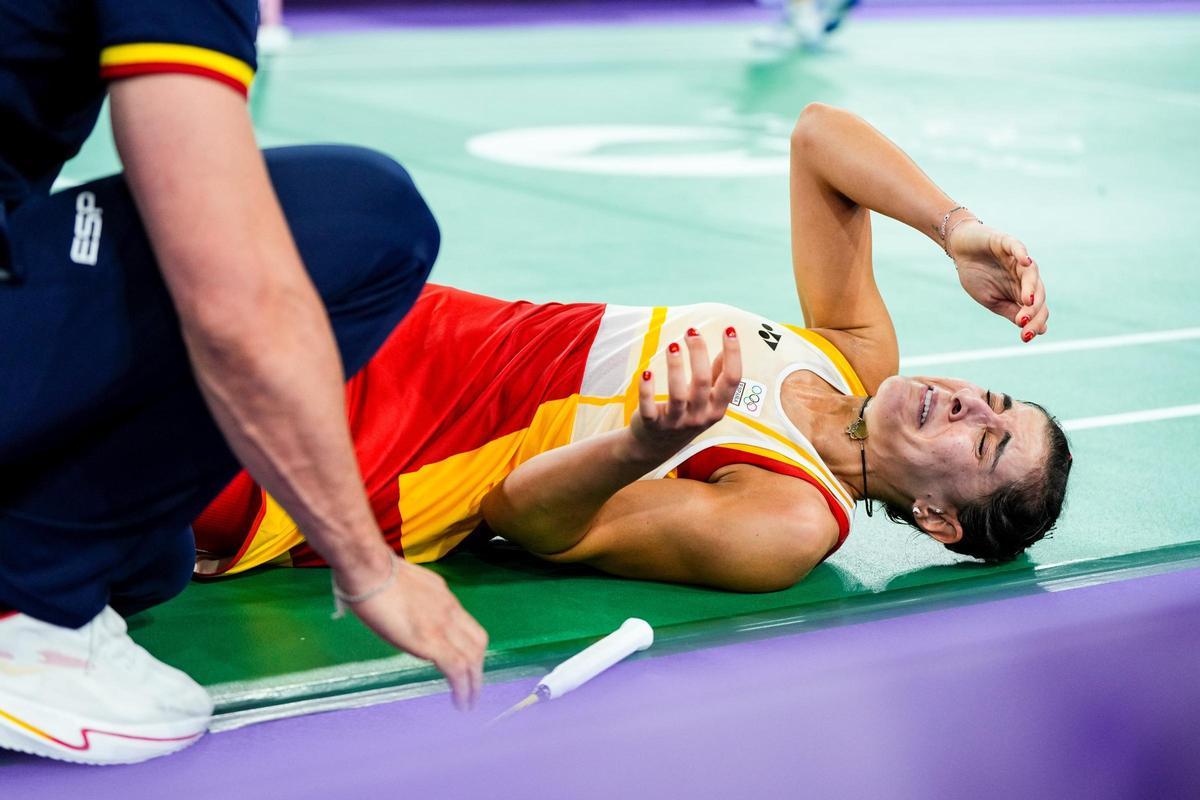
x=857, y=431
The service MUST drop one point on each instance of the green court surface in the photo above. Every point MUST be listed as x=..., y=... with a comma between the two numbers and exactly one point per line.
x=666, y=184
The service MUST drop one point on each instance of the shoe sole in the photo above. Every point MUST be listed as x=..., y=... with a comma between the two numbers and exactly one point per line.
x=27, y=726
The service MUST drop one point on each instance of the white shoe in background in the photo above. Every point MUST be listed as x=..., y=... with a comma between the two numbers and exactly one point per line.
x=92, y=695
x=803, y=23
x=272, y=39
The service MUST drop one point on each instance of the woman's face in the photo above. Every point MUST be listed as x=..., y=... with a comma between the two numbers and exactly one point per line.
x=953, y=441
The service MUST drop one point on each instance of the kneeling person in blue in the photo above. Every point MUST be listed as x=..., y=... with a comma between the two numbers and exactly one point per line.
x=158, y=330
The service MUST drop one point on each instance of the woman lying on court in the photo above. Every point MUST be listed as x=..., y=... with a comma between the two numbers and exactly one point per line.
x=542, y=420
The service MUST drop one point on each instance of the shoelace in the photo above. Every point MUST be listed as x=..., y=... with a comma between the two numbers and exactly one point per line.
x=107, y=645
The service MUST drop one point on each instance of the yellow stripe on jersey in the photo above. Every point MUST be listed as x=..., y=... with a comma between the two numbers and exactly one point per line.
x=125, y=55
x=649, y=347
x=834, y=355
x=439, y=503
x=821, y=472
x=589, y=400
x=273, y=538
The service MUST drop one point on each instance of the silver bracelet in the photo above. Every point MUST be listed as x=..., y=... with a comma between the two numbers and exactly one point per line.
x=945, y=219
x=343, y=600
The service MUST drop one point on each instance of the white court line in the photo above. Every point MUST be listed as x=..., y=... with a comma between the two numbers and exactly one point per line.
x=1045, y=348
x=1131, y=417
x=62, y=182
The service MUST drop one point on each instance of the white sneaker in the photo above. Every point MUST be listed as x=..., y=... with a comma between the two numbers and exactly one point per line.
x=803, y=24
x=91, y=695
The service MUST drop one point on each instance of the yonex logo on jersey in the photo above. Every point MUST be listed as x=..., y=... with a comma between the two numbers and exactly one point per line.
x=86, y=244
x=768, y=335
x=749, y=397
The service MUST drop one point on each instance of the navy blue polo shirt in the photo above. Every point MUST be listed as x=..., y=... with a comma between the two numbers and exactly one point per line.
x=56, y=57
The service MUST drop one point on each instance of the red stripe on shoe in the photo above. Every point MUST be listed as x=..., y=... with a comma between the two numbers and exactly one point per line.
x=85, y=733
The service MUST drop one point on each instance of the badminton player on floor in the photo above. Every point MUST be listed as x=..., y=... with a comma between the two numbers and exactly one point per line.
x=543, y=420
x=159, y=327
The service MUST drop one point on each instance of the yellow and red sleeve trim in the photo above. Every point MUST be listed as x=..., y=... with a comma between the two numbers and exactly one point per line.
x=835, y=357
x=701, y=466
x=127, y=60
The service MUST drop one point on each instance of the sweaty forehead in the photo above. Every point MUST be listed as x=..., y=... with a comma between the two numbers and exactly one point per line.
x=1026, y=451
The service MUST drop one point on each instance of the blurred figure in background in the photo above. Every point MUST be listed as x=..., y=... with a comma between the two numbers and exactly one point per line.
x=803, y=24
x=273, y=35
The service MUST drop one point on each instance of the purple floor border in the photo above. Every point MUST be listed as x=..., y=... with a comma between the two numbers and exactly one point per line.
x=1092, y=692
x=325, y=17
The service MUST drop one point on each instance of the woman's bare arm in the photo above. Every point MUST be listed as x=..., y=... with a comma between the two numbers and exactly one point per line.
x=749, y=530
x=548, y=503
x=841, y=169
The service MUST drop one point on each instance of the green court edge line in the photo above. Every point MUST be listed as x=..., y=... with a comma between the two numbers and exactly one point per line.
x=395, y=678
x=234, y=720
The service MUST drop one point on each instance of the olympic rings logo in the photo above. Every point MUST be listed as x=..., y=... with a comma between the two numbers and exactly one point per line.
x=748, y=397
x=753, y=397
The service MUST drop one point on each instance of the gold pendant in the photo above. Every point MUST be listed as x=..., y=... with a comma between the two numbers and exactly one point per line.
x=857, y=430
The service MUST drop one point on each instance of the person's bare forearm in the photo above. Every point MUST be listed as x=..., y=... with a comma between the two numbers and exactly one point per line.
x=264, y=355
x=259, y=339
x=547, y=504
x=275, y=389
x=868, y=169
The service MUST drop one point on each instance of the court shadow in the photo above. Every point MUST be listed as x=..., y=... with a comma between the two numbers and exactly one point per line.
x=485, y=559
x=975, y=572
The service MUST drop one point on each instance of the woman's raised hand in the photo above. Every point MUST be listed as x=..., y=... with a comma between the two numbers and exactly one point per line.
x=997, y=270
x=693, y=405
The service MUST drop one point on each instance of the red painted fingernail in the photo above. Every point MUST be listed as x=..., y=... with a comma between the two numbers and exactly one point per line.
x=730, y=332
x=1026, y=336
x=1024, y=321
x=673, y=348
x=646, y=375
x=692, y=332
x=1030, y=299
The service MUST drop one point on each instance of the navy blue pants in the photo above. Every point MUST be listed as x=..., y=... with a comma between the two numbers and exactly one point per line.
x=107, y=450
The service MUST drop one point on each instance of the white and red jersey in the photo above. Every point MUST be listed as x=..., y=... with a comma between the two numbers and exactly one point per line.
x=467, y=388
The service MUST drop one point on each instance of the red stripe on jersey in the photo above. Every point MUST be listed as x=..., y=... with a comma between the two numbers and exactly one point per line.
x=234, y=510
x=463, y=369
x=701, y=466
x=118, y=71
x=459, y=371
x=225, y=527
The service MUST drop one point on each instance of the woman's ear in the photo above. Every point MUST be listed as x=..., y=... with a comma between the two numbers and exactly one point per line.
x=939, y=521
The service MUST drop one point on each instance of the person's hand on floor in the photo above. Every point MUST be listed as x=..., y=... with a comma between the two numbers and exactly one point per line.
x=415, y=611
